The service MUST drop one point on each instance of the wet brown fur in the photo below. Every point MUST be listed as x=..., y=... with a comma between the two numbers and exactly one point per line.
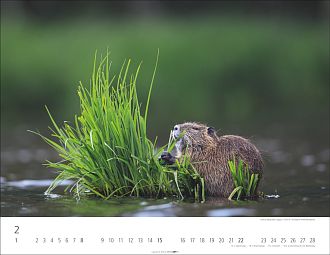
x=210, y=154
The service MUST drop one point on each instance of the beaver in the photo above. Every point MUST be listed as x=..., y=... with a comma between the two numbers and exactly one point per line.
x=210, y=153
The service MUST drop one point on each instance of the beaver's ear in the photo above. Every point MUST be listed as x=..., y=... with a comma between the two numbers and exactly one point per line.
x=211, y=130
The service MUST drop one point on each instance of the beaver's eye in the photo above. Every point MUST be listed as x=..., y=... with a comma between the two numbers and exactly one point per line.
x=175, y=128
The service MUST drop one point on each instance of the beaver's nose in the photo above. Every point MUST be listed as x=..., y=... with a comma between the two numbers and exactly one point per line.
x=176, y=131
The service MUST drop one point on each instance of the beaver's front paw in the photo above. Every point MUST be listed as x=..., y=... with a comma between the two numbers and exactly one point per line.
x=166, y=158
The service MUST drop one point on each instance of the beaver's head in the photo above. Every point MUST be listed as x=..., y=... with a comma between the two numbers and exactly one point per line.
x=195, y=137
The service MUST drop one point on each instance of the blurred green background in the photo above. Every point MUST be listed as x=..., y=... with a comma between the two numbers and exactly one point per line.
x=249, y=68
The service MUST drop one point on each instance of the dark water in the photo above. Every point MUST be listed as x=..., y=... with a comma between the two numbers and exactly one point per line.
x=296, y=177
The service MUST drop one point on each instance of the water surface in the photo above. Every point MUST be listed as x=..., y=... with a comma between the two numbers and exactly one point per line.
x=296, y=178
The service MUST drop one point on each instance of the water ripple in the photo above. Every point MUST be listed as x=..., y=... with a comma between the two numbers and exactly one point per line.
x=34, y=183
x=232, y=212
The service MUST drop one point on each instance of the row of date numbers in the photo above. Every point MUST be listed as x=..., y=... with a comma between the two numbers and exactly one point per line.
x=230, y=240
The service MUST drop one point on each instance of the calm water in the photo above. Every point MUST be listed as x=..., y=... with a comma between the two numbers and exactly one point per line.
x=296, y=177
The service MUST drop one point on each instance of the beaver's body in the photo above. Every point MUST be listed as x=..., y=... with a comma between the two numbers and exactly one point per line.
x=210, y=154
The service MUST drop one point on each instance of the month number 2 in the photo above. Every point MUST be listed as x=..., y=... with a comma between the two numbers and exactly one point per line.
x=16, y=232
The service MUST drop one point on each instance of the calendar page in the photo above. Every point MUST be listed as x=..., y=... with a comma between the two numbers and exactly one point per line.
x=165, y=127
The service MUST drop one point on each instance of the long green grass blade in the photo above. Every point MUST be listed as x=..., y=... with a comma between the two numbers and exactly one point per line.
x=245, y=183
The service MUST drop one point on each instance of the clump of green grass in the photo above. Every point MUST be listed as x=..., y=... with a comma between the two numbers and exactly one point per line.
x=245, y=183
x=106, y=151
